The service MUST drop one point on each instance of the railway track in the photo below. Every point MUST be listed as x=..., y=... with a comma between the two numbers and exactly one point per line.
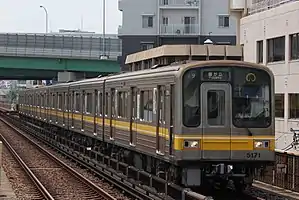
x=52, y=178
x=62, y=152
x=21, y=182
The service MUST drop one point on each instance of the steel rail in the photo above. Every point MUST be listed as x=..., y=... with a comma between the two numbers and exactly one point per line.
x=31, y=175
x=81, y=178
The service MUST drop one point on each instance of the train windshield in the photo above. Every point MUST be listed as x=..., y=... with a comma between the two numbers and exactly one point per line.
x=191, y=99
x=251, y=98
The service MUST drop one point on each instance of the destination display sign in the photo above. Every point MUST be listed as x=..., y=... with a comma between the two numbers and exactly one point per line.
x=215, y=76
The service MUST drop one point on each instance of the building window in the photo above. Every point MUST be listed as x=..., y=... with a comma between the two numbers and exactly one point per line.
x=259, y=50
x=147, y=21
x=279, y=105
x=223, y=21
x=146, y=46
x=294, y=40
x=165, y=20
x=293, y=106
x=276, y=49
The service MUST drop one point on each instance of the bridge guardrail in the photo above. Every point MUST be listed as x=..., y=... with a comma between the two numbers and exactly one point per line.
x=63, y=46
x=56, y=53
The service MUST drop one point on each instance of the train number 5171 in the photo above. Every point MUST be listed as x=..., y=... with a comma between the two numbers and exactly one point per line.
x=253, y=155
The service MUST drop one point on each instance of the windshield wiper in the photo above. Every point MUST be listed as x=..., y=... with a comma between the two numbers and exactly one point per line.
x=249, y=132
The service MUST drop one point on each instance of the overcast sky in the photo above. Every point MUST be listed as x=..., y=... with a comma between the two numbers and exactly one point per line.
x=27, y=16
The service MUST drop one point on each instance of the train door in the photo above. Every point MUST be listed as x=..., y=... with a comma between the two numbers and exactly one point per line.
x=113, y=115
x=216, y=120
x=52, y=107
x=171, y=117
x=57, y=106
x=47, y=106
x=63, y=107
x=73, y=108
x=133, y=123
x=95, y=111
x=69, y=107
x=161, y=116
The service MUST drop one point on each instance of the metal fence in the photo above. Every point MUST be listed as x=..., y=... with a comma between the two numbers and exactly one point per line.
x=285, y=173
x=58, y=45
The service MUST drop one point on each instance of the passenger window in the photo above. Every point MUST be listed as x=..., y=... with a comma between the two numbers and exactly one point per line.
x=113, y=92
x=73, y=102
x=146, y=105
x=77, y=102
x=65, y=101
x=100, y=106
x=96, y=103
x=162, y=105
x=41, y=100
x=53, y=101
x=216, y=107
x=88, y=103
x=122, y=104
x=60, y=100
x=106, y=103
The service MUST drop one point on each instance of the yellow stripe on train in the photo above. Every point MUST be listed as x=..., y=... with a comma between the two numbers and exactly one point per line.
x=228, y=143
x=211, y=142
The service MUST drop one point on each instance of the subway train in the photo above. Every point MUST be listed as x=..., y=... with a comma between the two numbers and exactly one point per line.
x=199, y=121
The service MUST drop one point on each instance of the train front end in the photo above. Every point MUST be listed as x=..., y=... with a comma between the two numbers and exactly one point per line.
x=227, y=127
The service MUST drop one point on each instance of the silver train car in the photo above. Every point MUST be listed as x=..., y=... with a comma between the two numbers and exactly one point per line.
x=199, y=121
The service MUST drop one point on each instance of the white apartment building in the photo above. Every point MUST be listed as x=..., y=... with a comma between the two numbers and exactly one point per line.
x=151, y=23
x=269, y=32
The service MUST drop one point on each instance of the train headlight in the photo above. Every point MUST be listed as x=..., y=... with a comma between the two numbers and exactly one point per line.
x=261, y=144
x=191, y=144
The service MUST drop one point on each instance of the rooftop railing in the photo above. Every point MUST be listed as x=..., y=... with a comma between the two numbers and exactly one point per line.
x=262, y=5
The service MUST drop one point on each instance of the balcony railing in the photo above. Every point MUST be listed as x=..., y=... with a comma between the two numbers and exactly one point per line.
x=179, y=3
x=179, y=29
x=262, y=5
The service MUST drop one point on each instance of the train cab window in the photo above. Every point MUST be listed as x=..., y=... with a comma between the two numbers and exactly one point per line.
x=146, y=105
x=191, y=99
x=251, y=98
x=88, y=103
x=216, y=107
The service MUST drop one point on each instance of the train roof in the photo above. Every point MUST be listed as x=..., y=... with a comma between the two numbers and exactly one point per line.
x=161, y=69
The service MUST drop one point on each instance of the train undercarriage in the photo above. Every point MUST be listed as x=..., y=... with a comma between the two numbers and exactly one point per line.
x=221, y=175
